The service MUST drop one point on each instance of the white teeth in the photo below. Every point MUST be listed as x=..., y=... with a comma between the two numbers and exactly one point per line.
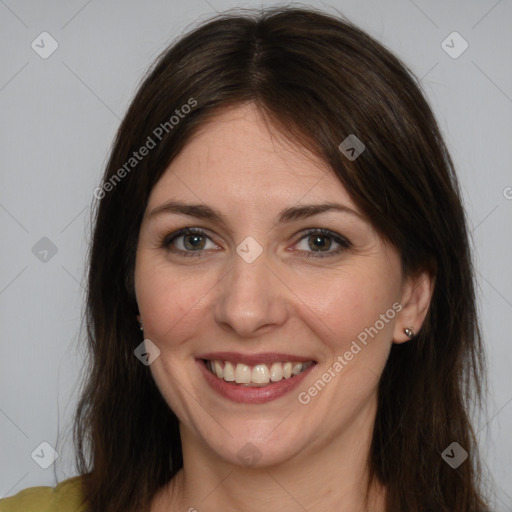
x=242, y=374
x=257, y=375
x=276, y=372
x=218, y=369
x=260, y=374
x=297, y=368
x=229, y=372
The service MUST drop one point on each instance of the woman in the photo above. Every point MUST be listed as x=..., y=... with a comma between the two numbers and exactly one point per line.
x=281, y=308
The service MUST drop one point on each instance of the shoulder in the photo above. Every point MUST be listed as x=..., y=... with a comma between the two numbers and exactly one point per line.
x=65, y=497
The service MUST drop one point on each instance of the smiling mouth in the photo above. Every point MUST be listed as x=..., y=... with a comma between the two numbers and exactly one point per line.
x=259, y=375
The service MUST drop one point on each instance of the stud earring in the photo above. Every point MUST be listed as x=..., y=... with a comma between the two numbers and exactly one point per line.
x=140, y=325
x=409, y=331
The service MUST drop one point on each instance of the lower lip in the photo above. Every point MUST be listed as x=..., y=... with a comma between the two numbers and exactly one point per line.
x=252, y=395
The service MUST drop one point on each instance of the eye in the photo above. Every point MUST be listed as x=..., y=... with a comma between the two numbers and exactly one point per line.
x=188, y=242
x=316, y=243
x=320, y=241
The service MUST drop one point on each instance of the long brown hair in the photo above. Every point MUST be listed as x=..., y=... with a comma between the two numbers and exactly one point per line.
x=318, y=79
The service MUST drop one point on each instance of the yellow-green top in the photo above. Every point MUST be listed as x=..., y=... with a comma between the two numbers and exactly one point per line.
x=65, y=497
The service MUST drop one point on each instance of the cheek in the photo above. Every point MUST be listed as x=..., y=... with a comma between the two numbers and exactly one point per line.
x=168, y=298
x=355, y=304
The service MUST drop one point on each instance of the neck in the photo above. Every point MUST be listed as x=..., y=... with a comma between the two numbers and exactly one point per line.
x=331, y=477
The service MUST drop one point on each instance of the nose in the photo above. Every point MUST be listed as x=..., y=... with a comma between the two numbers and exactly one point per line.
x=252, y=299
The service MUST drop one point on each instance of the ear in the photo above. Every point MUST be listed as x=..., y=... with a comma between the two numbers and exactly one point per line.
x=416, y=296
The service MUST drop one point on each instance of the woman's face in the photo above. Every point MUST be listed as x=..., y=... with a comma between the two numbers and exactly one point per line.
x=257, y=292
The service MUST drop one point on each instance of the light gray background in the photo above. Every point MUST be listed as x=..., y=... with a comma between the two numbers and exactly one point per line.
x=59, y=116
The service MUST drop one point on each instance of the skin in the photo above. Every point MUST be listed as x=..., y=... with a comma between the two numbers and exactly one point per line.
x=313, y=456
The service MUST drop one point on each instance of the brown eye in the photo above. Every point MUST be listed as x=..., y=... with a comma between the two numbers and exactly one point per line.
x=188, y=242
x=193, y=241
x=320, y=241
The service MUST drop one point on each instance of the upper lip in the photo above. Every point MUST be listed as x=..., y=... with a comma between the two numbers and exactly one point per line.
x=254, y=359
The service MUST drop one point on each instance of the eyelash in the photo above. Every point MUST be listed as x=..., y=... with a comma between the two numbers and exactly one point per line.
x=343, y=242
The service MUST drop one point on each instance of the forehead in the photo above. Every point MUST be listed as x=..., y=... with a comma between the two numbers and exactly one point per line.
x=239, y=157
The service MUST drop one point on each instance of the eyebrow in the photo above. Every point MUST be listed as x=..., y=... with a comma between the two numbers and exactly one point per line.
x=202, y=211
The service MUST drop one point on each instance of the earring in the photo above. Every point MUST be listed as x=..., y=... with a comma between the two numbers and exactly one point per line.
x=409, y=331
x=140, y=325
